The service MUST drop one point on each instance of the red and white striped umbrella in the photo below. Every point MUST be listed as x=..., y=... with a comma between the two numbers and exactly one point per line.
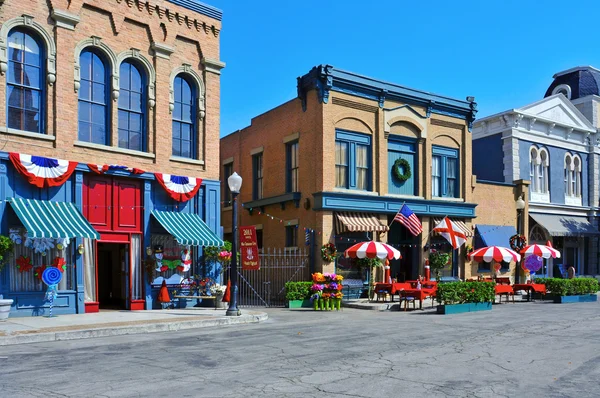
x=540, y=251
x=497, y=253
x=373, y=249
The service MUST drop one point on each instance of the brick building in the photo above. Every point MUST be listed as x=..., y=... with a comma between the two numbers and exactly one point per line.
x=322, y=162
x=130, y=84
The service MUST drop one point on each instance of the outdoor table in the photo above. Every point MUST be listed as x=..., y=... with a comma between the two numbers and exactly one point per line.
x=391, y=288
x=506, y=290
x=418, y=294
x=531, y=288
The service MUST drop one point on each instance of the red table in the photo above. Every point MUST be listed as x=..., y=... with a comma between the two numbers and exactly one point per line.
x=391, y=288
x=418, y=294
x=530, y=287
x=505, y=289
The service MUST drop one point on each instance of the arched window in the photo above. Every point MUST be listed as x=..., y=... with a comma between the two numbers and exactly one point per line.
x=533, y=155
x=184, y=118
x=93, y=98
x=572, y=176
x=568, y=168
x=25, y=81
x=576, y=177
x=132, y=109
x=538, y=173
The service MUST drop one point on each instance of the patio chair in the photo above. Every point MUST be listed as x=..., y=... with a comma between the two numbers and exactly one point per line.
x=407, y=299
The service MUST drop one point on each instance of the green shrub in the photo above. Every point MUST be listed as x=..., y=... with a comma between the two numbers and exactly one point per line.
x=465, y=292
x=298, y=290
x=569, y=287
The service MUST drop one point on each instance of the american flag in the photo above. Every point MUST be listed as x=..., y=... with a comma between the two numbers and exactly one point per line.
x=409, y=219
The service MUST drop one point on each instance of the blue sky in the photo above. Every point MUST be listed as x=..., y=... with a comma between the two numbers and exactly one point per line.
x=502, y=52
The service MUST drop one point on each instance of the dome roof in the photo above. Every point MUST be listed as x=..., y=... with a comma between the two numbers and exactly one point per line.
x=576, y=82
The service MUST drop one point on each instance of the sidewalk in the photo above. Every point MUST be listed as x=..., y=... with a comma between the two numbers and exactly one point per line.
x=22, y=330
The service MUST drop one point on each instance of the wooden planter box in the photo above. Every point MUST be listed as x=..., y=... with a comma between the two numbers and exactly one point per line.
x=300, y=303
x=448, y=309
x=583, y=298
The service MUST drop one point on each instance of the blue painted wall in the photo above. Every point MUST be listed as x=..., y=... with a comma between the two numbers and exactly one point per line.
x=488, y=158
x=400, y=148
x=556, y=170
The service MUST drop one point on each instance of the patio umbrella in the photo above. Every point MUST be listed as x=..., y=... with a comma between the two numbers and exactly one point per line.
x=373, y=249
x=540, y=251
x=497, y=253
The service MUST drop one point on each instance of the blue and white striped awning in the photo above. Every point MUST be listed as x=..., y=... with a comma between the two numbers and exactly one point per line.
x=46, y=219
x=187, y=228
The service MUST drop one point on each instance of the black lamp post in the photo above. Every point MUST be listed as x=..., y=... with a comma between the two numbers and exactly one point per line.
x=520, y=205
x=235, y=184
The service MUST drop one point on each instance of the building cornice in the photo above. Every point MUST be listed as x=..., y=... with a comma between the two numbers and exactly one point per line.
x=65, y=19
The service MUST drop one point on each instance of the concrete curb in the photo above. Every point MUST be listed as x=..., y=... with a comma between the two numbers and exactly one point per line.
x=376, y=307
x=88, y=331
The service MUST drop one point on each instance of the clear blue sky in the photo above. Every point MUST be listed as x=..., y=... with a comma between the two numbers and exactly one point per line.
x=503, y=52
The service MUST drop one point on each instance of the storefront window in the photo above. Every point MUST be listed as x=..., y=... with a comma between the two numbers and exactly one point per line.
x=171, y=256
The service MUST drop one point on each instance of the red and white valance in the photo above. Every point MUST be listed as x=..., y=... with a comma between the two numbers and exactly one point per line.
x=101, y=169
x=42, y=172
x=179, y=188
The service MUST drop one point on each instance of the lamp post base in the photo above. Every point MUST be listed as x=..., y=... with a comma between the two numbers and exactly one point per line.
x=233, y=312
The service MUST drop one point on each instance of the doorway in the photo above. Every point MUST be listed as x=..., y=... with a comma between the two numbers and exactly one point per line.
x=113, y=268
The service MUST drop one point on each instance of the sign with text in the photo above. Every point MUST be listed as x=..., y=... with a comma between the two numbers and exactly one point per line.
x=249, y=248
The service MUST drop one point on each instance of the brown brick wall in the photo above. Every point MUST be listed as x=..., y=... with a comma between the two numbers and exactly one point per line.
x=123, y=25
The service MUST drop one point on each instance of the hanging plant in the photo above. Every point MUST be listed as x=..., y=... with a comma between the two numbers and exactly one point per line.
x=6, y=247
x=517, y=242
x=328, y=252
x=468, y=250
x=404, y=174
x=437, y=261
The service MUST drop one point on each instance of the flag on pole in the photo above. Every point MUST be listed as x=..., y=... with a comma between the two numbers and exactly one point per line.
x=406, y=217
x=451, y=232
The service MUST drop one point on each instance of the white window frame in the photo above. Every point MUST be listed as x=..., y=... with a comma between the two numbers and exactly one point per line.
x=539, y=161
x=572, y=167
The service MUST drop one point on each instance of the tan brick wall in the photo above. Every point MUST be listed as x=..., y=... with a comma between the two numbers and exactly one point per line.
x=123, y=25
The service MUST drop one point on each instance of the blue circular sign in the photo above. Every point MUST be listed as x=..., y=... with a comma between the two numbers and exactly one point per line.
x=51, y=276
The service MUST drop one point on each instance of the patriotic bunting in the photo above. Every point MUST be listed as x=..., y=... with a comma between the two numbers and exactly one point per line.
x=101, y=169
x=179, y=188
x=42, y=172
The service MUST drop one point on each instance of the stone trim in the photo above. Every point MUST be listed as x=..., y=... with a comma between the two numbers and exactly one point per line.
x=186, y=160
x=213, y=65
x=161, y=50
x=134, y=54
x=28, y=134
x=189, y=71
x=291, y=137
x=114, y=149
x=97, y=43
x=256, y=151
x=227, y=161
x=65, y=19
x=28, y=22
x=291, y=222
x=354, y=105
x=444, y=123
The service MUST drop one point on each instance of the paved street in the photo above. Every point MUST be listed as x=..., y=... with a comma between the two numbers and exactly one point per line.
x=523, y=349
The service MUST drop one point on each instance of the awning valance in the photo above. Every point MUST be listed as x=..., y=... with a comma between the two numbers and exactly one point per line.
x=460, y=224
x=493, y=235
x=358, y=222
x=558, y=225
x=46, y=219
x=187, y=228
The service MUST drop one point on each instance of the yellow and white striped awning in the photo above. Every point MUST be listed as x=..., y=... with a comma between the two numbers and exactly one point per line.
x=358, y=222
x=460, y=224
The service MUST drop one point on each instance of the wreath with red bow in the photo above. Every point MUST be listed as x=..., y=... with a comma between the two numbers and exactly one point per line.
x=517, y=242
x=328, y=252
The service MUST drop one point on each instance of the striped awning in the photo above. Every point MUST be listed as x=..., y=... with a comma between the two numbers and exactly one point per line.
x=460, y=224
x=46, y=219
x=358, y=222
x=187, y=228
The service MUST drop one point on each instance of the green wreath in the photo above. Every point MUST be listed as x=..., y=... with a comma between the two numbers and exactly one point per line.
x=401, y=163
x=517, y=242
x=328, y=252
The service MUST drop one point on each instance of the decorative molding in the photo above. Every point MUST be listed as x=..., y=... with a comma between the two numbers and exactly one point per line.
x=96, y=42
x=444, y=123
x=213, y=65
x=551, y=128
x=27, y=134
x=134, y=54
x=279, y=199
x=518, y=119
x=290, y=138
x=188, y=70
x=354, y=105
x=532, y=122
x=320, y=77
x=147, y=187
x=64, y=19
x=186, y=160
x=256, y=151
x=506, y=120
x=227, y=161
x=382, y=95
x=161, y=50
x=407, y=114
x=78, y=177
x=569, y=131
x=50, y=50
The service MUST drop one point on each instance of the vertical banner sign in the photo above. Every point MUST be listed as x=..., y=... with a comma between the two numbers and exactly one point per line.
x=249, y=248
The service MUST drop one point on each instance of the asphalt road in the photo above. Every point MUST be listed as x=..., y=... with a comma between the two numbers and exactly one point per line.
x=516, y=350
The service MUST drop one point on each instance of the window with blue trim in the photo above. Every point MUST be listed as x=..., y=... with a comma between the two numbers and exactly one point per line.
x=184, y=118
x=292, y=167
x=93, y=99
x=444, y=172
x=257, y=176
x=25, y=82
x=132, y=109
x=352, y=160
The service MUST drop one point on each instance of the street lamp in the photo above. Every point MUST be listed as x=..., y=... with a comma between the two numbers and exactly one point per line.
x=235, y=184
x=520, y=205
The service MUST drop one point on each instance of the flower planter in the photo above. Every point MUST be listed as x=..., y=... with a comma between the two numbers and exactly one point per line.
x=448, y=309
x=5, y=308
x=300, y=303
x=582, y=298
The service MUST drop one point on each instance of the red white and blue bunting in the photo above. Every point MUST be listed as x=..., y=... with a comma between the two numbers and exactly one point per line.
x=179, y=188
x=42, y=172
x=101, y=169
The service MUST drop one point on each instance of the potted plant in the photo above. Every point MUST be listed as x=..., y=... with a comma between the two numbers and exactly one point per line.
x=575, y=290
x=218, y=291
x=369, y=264
x=298, y=294
x=437, y=261
x=458, y=297
x=6, y=247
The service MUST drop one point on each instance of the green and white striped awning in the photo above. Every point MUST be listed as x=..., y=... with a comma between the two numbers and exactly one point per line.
x=46, y=219
x=187, y=228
